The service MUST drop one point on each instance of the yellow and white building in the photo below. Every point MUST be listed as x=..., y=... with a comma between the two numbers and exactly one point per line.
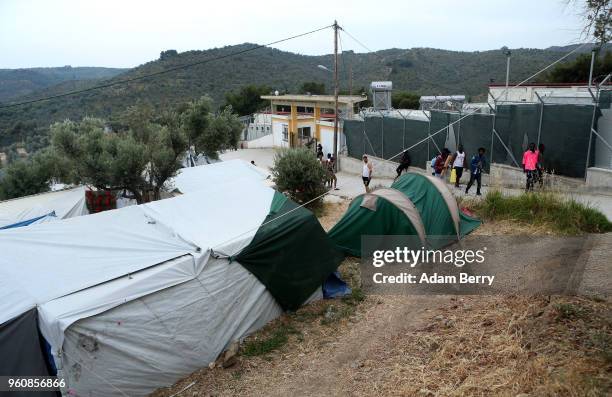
x=299, y=119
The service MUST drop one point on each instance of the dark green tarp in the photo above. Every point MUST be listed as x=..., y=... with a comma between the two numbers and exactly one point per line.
x=290, y=254
x=358, y=221
x=387, y=219
x=435, y=214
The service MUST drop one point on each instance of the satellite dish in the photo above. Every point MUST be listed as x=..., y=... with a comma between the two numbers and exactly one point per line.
x=276, y=93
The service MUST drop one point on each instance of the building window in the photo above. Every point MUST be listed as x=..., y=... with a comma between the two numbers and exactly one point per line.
x=285, y=132
x=304, y=132
x=305, y=109
x=283, y=109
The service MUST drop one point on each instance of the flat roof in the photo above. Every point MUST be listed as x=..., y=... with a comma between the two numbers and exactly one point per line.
x=549, y=85
x=315, y=98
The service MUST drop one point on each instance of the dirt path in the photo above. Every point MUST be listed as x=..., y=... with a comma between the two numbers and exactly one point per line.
x=339, y=369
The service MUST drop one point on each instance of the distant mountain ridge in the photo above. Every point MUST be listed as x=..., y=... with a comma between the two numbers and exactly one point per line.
x=425, y=71
x=15, y=83
x=586, y=49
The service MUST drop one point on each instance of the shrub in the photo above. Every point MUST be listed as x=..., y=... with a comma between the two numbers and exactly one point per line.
x=566, y=216
x=299, y=173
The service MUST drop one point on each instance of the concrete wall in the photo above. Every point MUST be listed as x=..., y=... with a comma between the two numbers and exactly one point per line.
x=382, y=168
x=277, y=133
x=506, y=176
x=266, y=141
x=599, y=179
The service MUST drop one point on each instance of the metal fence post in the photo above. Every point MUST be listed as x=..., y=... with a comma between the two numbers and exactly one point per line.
x=494, y=111
x=595, y=103
x=458, y=130
x=382, y=136
x=403, y=130
x=541, y=116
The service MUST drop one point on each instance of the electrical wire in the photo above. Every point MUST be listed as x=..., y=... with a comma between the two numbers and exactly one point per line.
x=471, y=113
x=503, y=92
x=180, y=67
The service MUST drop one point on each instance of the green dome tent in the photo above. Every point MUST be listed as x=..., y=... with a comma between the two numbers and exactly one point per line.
x=415, y=204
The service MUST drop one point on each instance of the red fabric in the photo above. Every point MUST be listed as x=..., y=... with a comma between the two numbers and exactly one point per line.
x=98, y=201
x=467, y=211
x=530, y=160
x=439, y=164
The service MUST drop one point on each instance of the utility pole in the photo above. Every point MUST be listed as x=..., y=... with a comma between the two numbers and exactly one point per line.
x=335, y=95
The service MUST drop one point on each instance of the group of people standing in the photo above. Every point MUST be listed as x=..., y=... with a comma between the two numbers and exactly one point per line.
x=329, y=165
x=456, y=162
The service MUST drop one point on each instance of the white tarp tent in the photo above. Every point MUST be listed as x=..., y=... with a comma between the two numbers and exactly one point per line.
x=44, y=207
x=202, y=176
x=133, y=299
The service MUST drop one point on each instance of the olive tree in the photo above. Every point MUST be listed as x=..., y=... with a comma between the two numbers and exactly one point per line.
x=300, y=174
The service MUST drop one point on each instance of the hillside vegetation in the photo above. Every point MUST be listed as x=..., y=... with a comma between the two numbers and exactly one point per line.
x=424, y=71
x=15, y=83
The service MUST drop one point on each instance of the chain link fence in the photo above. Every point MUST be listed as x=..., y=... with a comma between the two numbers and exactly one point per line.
x=505, y=133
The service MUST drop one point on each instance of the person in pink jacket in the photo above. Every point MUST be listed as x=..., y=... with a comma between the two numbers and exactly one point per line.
x=530, y=165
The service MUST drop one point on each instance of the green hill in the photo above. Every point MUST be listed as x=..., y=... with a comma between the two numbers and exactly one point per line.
x=15, y=83
x=425, y=71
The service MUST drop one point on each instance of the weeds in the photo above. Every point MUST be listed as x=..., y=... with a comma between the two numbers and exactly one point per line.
x=569, y=311
x=334, y=313
x=565, y=216
x=356, y=297
x=278, y=338
x=603, y=343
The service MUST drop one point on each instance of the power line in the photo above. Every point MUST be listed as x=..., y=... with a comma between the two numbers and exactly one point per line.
x=180, y=67
x=503, y=92
x=357, y=41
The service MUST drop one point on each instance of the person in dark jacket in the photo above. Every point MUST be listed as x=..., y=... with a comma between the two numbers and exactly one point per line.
x=477, y=164
x=404, y=163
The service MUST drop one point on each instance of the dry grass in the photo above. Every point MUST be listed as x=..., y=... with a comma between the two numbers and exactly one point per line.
x=330, y=213
x=469, y=346
x=502, y=346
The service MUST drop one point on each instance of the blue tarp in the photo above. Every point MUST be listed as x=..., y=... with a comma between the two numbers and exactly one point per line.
x=28, y=222
x=335, y=287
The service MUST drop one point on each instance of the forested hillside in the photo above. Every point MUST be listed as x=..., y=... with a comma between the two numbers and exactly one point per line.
x=424, y=71
x=15, y=83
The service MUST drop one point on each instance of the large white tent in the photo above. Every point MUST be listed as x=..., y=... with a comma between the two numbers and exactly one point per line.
x=71, y=202
x=202, y=176
x=133, y=299
x=43, y=207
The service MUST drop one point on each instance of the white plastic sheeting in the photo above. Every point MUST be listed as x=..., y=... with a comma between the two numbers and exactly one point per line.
x=206, y=176
x=141, y=282
x=46, y=261
x=155, y=340
x=64, y=203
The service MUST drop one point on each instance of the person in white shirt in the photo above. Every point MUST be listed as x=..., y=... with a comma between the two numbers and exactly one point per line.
x=366, y=173
x=459, y=163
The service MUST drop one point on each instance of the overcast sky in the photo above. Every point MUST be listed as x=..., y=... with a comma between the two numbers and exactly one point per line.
x=126, y=33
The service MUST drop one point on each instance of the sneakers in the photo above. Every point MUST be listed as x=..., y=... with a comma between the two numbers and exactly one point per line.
x=478, y=194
